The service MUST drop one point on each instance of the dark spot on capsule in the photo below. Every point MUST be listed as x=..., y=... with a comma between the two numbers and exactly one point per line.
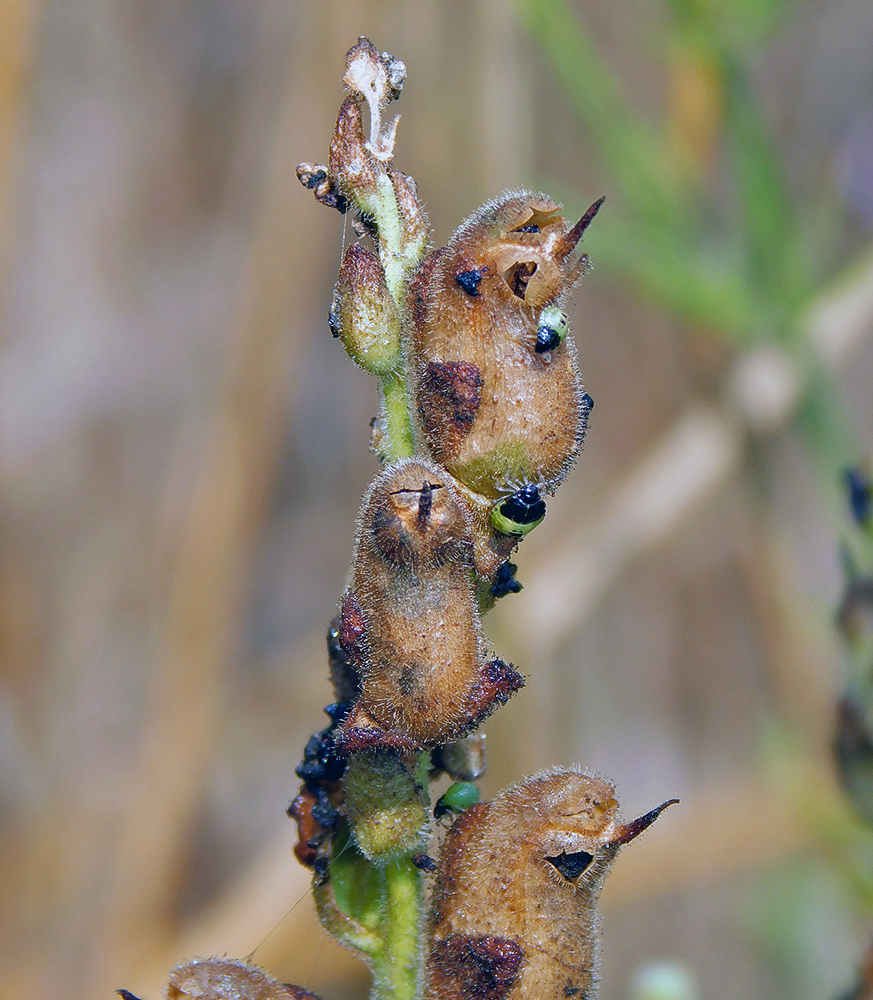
x=570, y=991
x=860, y=494
x=504, y=580
x=448, y=400
x=424, y=862
x=524, y=507
x=470, y=280
x=571, y=866
x=483, y=967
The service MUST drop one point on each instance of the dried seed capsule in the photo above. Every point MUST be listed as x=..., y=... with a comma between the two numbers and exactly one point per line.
x=225, y=979
x=496, y=387
x=514, y=907
x=410, y=623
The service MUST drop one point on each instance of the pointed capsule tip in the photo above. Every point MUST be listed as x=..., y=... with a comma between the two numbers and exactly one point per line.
x=633, y=829
x=575, y=234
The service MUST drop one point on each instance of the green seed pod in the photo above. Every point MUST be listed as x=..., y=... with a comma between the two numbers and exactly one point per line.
x=363, y=315
x=400, y=825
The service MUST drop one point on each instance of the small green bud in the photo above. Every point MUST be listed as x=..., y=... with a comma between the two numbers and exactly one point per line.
x=363, y=314
x=458, y=797
x=386, y=806
x=520, y=513
x=551, y=329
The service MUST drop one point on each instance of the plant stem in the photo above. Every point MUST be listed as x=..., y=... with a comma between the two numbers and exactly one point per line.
x=397, y=442
x=397, y=965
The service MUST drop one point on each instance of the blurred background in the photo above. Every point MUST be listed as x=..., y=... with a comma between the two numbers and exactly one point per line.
x=183, y=448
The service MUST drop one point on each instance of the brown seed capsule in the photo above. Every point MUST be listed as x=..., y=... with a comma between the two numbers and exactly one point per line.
x=498, y=408
x=514, y=907
x=225, y=979
x=410, y=623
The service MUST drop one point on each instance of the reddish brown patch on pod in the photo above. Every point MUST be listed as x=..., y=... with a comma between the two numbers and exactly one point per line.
x=448, y=399
x=353, y=630
x=474, y=968
x=497, y=682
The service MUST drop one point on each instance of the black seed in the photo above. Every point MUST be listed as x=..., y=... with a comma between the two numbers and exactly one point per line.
x=571, y=866
x=587, y=402
x=469, y=281
x=323, y=812
x=339, y=710
x=425, y=503
x=524, y=507
x=504, y=580
x=529, y=228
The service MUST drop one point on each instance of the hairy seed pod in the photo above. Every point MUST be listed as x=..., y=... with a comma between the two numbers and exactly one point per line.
x=514, y=907
x=225, y=979
x=363, y=315
x=494, y=404
x=410, y=623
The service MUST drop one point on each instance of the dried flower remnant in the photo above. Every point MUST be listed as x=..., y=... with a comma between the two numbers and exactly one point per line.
x=493, y=404
x=410, y=621
x=514, y=910
x=225, y=979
